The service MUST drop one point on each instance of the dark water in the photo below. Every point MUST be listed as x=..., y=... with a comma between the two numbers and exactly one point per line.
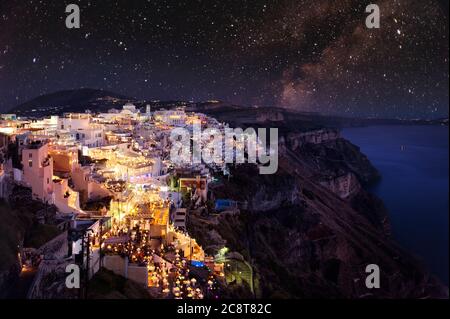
x=414, y=186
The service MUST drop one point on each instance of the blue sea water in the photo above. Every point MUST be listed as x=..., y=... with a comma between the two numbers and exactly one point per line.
x=414, y=164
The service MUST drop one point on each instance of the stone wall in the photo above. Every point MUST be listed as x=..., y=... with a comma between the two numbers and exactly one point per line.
x=138, y=274
x=116, y=264
x=57, y=248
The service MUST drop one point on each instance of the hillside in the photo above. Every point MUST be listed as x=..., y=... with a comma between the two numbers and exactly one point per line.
x=80, y=100
x=70, y=101
x=304, y=241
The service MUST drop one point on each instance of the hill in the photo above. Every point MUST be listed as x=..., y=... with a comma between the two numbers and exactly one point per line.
x=80, y=100
x=70, y=101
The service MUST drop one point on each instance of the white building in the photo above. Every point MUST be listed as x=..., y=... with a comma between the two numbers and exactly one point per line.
x=171, y=117
x=82, y=129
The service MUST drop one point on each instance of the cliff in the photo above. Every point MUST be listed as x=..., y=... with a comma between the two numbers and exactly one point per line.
x=24, y=223
x=326, y=155
x=303, y=235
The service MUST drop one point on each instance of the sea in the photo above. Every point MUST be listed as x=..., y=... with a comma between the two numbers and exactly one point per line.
x=414, y=163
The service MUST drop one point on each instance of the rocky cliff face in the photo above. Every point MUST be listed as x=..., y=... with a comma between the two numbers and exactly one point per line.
x=303, y=238
x=24, y=223
x=324, y=154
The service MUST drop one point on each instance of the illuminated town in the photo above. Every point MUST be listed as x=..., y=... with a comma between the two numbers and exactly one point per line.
x=120, y=200
x=219, y=156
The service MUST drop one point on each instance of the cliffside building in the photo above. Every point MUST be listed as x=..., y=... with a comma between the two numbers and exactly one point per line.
x=38, y=170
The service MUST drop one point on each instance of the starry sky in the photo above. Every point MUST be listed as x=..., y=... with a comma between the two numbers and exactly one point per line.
x=307, y=55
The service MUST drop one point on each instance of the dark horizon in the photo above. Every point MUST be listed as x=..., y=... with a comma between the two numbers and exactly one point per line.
x=131, y=98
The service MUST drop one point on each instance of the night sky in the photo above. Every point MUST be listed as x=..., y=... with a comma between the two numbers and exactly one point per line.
x=310, y=55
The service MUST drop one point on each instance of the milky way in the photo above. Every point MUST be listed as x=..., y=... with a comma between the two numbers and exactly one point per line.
x=309, y=55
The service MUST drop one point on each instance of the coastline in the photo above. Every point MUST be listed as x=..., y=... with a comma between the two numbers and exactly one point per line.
x=407, y=202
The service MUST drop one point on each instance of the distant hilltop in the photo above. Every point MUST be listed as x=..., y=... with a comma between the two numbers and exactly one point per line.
x=94, y=100
x=80, y=100
x=69, y=101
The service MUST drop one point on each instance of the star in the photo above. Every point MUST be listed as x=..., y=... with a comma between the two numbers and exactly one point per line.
x=277, y=54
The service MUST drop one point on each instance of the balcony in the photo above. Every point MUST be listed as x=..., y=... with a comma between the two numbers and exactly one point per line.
x=46, y=162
